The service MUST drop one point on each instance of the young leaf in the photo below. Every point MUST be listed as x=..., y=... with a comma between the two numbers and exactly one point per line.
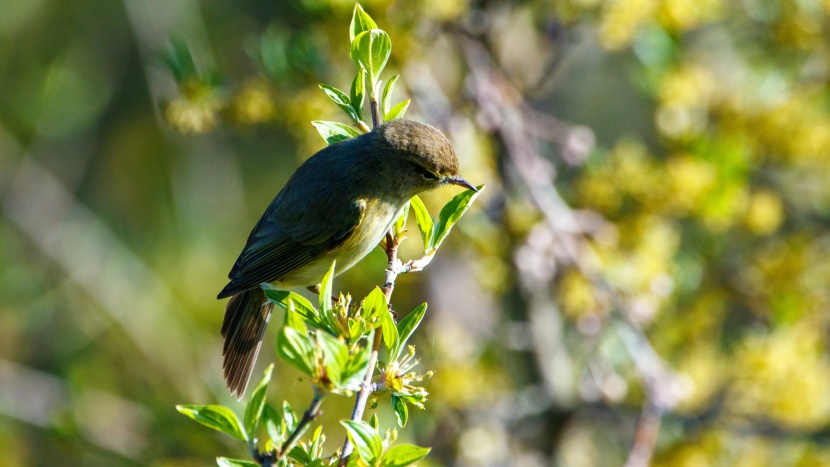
x=217, y=417
x=296, y=349
x=370, y=50
x=288, y=416
x=390, y=332
x=253, y=412
x=400, y=223
x=401, y=411
x=341, y=99
x=358, y=93
x=423, y=220
x=396, y=112
x=365, y=439
x=300, y=455
x=404, y=454
x=292, y=301
x=407, y=326
x=334, y=132
x=225, y=462
x=294, y=321
x=273, y=422
x=451, y=212
x=387, y=95
x=361, y=21
x=355, y=369
x=374, y=422
x=336, y=356
x=375, y=306
x=325, y=289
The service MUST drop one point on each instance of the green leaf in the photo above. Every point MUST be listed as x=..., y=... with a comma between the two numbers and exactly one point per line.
x=404, y=454
x=288, y=416
x=342, y=100
x=334, y=132
x=424, y=221
x=273, y=422
x=390, y=332
x=375, y=306
x=217, y=417
x=401, y=411
x=296, y=349
x=451, y=212
x=358, y=92
x=324, y=298
x=361, y=21
x=356, y=368
x=336, y=356
x=253, y=412
x=296, y=306
x=365, y=439
x=225, y=462
x=396, y=112
x=387, y=95
x=370, y=50
x=294, y=321
x=374, y=422
x=300, y=455
x=400, y=223
x=407, y=326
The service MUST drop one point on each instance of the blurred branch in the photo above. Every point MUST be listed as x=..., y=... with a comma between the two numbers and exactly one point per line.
x=503, y=107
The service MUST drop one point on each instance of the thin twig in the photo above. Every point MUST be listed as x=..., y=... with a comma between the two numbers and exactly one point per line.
x=310, y=414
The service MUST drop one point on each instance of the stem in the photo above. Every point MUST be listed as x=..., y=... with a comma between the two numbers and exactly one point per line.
x=309, y=415
x=367, y=388
x=373, y=107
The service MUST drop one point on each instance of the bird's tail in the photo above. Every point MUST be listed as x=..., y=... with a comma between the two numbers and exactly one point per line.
x=246, y=316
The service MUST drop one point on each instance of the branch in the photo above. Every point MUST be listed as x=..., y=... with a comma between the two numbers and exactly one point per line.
x=309, y=415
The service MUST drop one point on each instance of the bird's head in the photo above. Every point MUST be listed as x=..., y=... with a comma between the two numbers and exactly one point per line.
x=424, y=157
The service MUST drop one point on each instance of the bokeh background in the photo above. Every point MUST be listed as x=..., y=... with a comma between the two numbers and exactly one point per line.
x=644, y=281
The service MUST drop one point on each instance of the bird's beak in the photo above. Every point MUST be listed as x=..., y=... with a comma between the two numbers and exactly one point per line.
x=461, y=182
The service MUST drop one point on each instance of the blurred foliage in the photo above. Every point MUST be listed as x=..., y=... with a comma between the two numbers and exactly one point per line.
x=690, y=137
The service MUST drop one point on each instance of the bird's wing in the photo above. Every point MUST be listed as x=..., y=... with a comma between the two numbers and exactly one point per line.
x=285, y=240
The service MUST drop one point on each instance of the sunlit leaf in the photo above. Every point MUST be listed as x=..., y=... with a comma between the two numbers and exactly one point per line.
x=451, y=212
x=358, y=92
x=361, y=21
x=324, y=298
x=218, y=417
x=401, y=411
x=407, y=326
x=424, y=221
x=365, y=439
x=396, y=112
x=370, y=50
x=334, y=132
x=403, y=454
x=296, y=349
x=225, y=462
x=342, y=100
x=387, y=95
x=253, y=412
x=272, y=420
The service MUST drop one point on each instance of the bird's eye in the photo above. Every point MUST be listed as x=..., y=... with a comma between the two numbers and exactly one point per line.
x=429, y=175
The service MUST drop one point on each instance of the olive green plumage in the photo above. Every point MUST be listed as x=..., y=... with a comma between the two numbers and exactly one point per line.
x=338, y=205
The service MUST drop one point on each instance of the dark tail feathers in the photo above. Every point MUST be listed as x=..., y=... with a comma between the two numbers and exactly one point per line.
x=246, y=316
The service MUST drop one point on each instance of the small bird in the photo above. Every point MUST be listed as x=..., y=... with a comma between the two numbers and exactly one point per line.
x=338, y=205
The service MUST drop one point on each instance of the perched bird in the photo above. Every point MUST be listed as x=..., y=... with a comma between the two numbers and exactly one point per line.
x=338, y=205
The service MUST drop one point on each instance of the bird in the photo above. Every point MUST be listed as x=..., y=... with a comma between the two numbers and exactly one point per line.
x=338, y=205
